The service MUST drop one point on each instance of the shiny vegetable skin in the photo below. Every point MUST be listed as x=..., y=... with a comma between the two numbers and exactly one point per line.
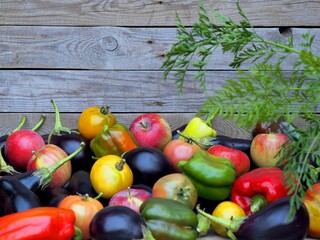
x=49, y=223
x=116, y=222
x=113, y=140
x=271, y=223
x=92, y=120
x=266, y=182
x=212, y=176
x=147, y=165
x=169, y=219
x=198, y=128
x=15, y=197
x=312, y=202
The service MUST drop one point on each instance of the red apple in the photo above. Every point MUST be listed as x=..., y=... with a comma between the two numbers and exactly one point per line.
x=240, y=160
x=132, y=198
x=264, y=148
x=179, y=150
x=151, y=130
x=20, y=145
x=48, y=156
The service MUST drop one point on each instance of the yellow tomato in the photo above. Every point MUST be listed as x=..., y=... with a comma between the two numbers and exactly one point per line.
x=227, y=210
x=110, y=174
x=92, y=120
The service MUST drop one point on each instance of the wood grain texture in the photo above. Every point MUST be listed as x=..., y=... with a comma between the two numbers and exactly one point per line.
x=124, y=91
x=153, y=12
x=108, y=48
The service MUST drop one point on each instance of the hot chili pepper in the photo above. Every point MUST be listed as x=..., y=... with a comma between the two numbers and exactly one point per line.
x=39, y=223
x=212, y=176
x=169, y=219
x=198, y=128
x=257, y=188
x=113, y=140
x=312, y=202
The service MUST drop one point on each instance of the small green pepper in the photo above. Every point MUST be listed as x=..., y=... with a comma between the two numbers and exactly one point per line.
x=198, y=128
x=113, y=140
x=212, y=176
x=169, y=219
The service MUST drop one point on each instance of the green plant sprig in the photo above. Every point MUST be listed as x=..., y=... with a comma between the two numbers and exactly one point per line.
x=264, y=92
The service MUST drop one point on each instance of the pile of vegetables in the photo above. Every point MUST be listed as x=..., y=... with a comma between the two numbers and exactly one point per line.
x=105, y=180
x=113, y=184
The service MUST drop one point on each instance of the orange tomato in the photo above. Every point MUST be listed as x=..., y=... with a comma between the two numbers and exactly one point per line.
x=92, y=120
x=227, y=210
x=85, y=208
x=110, y=174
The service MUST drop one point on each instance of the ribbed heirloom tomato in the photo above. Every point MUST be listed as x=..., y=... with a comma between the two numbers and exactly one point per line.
x=85, y=208
x=92, y=120
x=110, y=174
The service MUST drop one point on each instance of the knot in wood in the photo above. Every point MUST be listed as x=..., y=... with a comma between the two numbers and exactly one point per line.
x=109, y=43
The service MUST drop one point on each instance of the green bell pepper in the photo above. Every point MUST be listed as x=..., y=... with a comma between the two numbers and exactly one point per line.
x=169, y=219
x=212, y=176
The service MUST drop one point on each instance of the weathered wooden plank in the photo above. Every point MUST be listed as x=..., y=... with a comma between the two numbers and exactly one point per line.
x=153, y=13
x=106, y=47
x=124, y=91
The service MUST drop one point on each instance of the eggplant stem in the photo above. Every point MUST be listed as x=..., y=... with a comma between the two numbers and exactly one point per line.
x=39, y=124
x=232, y=225
x=46, y=173
x=20, y=125
x=58, y=125
x=4, y=167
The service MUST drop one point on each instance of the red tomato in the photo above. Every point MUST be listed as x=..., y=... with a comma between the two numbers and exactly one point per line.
x=176, y=186
x=85, y=208
x=179, y=150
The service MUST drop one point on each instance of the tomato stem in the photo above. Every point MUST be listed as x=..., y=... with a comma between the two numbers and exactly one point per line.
x=119, y=165
x=104, y=110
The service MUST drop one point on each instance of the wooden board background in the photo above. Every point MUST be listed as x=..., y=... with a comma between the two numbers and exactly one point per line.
x=98, y=52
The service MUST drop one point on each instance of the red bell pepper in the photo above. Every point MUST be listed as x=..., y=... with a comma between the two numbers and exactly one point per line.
x=38, y=224
x=257, y=188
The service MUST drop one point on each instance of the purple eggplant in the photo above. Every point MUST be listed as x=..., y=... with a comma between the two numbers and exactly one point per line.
x=116, y=222
x=271, y=222
x=147, y=164
x=69, y=141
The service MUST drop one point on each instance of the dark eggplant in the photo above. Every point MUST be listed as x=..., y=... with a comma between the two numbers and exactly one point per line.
x=15, y=197
x=271, y=222
x=69, y=141
x=147, y=165
x=80, y=183
x=116, y=223
x=175, y=133
x=53, y=196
